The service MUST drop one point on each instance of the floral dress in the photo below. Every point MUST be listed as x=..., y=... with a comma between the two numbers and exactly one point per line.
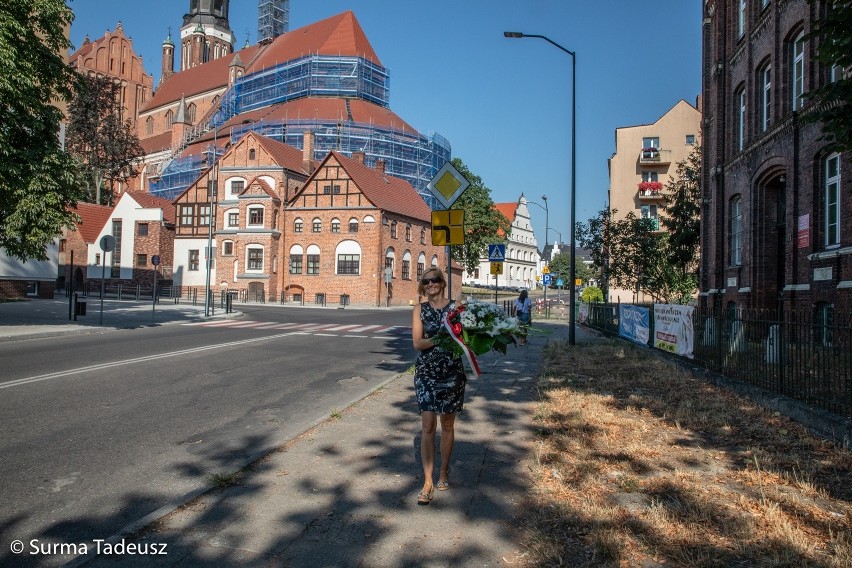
x=439, y=378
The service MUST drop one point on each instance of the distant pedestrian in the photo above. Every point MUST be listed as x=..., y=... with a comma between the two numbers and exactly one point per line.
x=439, y=382
x=523, y=311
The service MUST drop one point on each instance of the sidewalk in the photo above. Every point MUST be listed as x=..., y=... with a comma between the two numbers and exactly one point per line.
x=41, y=318
x=344, y=492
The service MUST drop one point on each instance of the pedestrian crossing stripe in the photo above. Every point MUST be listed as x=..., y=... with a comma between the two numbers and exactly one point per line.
x=306, y=328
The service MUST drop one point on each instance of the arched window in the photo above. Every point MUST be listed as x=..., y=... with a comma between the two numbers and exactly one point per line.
x=434, y=260
x=348, y=254
x=149, y=125
x=832, y=200
x=408, y=232
x=170, y=118
x=406, y=265
x=190, y=112
x=251, y=154
x=313, y=258
x=797, y=73
x=316, y=225
x=296, y=259
x=764, y=78
x=740, y=117
x=335, y=225
x=298, y=225
x=421, y=265
x=353, y=225
x=390, y=256
x=735, y=232
x=422, y=235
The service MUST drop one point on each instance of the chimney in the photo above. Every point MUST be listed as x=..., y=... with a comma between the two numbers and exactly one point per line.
x=358, y=157
x=380, y=166
x=308, y=144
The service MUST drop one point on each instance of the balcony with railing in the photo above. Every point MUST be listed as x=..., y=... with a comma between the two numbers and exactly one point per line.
x=655, y=156
x=650, y=191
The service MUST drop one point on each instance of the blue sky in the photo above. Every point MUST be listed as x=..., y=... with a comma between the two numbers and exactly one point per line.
x=504, y=104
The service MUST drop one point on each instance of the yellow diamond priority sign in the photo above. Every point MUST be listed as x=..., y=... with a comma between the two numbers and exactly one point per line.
x=447, y=185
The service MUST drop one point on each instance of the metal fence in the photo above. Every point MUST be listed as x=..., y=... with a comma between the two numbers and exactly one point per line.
x=802, y=355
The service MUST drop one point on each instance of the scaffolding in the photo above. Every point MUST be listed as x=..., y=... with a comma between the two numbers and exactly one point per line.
x=408, y=155
x=273, y=19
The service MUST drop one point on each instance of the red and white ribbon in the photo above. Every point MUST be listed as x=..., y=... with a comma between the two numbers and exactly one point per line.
x=471, y=357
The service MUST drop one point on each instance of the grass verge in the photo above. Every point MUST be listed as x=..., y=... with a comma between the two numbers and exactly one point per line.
x=638, y=463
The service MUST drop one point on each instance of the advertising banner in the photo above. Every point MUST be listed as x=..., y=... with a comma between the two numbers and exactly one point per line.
x=584, y=313
x=673, y=328
x=633, y=323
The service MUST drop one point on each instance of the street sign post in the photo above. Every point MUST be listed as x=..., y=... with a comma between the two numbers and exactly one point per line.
x=107, y=244
x=447, y=186
x=155, y=260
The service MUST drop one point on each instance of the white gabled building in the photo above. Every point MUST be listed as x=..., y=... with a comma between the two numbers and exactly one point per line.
x=521, y=266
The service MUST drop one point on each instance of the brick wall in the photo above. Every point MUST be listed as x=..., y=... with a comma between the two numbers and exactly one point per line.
x=778, y=175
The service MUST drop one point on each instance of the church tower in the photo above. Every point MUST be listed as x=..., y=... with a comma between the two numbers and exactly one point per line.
x=206, y=34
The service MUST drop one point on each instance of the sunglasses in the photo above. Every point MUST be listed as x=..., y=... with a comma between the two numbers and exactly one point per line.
x=433, y=280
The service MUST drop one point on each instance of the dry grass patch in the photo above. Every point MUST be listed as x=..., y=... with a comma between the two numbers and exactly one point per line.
x=638, y=463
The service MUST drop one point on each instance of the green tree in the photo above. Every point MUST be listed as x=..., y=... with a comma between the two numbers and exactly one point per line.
x=833, y=108
x=592, y=294
x=38, y=179
x=595, y=235
x=483, y=224
x=101, y=138
x=561, y=264
x=683, y=222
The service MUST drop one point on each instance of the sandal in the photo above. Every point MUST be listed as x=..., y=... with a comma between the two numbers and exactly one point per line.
x=443, y=485
x=424, y=498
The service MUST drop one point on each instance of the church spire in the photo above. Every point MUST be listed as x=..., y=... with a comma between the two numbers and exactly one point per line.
x=206, y=33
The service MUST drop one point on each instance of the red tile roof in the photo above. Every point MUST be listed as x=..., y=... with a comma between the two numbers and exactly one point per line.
x=92, y=219
x=508, y=211
x=386, y=192
x=284, y=155
x=156, y=143
x=199, y=79
x=337, y=35
x=148, y=201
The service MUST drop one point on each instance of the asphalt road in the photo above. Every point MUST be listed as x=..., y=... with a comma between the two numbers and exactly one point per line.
x=97, y=431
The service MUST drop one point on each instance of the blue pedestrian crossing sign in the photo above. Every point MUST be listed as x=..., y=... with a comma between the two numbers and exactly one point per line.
x=497, y=253
x=560, y=283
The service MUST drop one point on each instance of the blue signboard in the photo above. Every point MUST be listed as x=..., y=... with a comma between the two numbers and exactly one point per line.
x=546, y=279
x=497, y=253
x=633, y=323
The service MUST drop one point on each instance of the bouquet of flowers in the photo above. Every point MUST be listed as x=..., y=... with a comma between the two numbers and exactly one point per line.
x=477, y=328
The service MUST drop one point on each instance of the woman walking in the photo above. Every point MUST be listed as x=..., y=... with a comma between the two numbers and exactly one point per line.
x=523, y=311
x=439, y=382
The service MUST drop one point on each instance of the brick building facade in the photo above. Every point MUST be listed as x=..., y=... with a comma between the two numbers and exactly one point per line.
x=776, y=204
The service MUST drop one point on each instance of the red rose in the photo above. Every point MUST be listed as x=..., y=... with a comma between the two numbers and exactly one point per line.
x=457, y=328
x=453, y=314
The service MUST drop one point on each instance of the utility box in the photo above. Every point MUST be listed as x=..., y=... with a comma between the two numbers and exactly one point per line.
x=80, y=308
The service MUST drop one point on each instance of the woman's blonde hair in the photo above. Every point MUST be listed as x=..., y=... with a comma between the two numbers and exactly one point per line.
x=421, y=289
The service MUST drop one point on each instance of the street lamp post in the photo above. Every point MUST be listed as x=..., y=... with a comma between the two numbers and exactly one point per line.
x=558, y=233
x=572, y=301
x=208, y=301
x=546, y=229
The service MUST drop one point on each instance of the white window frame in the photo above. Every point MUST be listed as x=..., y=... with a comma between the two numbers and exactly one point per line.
x=735, y=231
x=249, y=210
x=249, y=249
x=741, y=118
x=765, y=96
x=741, y=19
x=798, y=71
x=832, y=201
